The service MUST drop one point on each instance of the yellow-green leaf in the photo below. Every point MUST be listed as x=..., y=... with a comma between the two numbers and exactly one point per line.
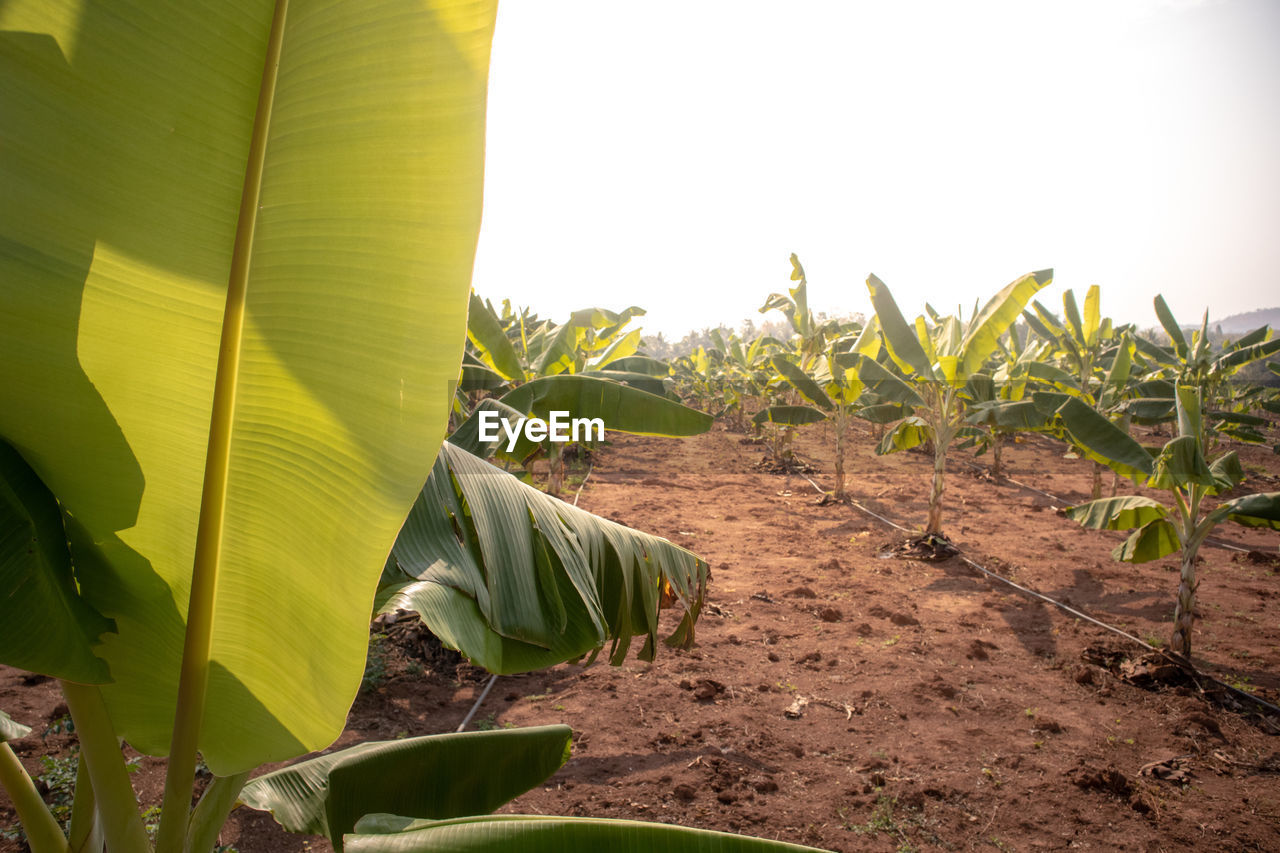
x=135, y=197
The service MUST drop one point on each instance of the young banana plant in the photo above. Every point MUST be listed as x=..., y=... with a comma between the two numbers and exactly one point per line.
x=933, y=365
x=1180, y=469
x=1227, y=407
x=587, y=368
x=1096, y=359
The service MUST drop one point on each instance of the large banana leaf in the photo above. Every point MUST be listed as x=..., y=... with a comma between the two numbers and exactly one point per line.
x=1102, y=441
x=899, y=338
x=518, y=580
x=1121, y=513
x=1257, y=510
x=1000, y=312
x=621, y=407
x=235, y=232
x=802, y=382
x=540, y=834
x=37, y=585
x=435, y=777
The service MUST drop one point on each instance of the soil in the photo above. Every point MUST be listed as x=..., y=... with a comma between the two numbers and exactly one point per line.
x=846, y=695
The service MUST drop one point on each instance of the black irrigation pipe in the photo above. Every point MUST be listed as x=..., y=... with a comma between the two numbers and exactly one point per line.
x=1177, y=660
x=492, y=678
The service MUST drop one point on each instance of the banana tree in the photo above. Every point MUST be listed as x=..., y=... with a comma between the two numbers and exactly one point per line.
x=810, y=336
x=934, y=362
x=1228, y=410
x=1182, y=470
x=1096, y=357
x=235, y=299
x=587, y=367
x=833, y=389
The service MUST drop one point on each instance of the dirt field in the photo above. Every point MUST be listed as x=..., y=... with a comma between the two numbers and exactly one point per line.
x=841, y=698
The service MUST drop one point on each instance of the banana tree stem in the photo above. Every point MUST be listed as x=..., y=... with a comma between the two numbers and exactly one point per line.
x=85, y=831
x=117, y=804
x=43, y=833
x=211, y=812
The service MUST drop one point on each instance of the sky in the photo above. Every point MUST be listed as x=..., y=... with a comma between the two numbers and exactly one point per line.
x=672, y=154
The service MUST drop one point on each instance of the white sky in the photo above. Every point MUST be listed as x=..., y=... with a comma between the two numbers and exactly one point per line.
x=673, y=153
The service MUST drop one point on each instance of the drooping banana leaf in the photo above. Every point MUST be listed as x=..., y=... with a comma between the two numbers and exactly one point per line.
x=912, y=432
x=262, y=217
x=1120, y=513
x=1155, y=539
x=432, y=777
x=518, y=580
x=1257, y=510
x=542, y=834
x=621, y=407
x=1102, y=441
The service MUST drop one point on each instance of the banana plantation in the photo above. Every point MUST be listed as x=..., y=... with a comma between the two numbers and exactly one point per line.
x=298, y=553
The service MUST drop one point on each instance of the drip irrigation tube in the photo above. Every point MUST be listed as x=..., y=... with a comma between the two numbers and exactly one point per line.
x=479, y=702
x=583, y=484
x=1172, y=658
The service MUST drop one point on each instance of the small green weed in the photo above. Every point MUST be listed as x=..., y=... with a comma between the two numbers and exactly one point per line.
x=375, y=665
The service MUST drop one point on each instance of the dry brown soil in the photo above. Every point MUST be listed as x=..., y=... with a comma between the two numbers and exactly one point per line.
x=930, y=707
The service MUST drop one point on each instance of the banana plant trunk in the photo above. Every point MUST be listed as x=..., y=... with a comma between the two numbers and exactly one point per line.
x=1095, y=492
x=935, y=494
x=1184, y=613
x=842, y=424
x=555, y=470
x=997, y=466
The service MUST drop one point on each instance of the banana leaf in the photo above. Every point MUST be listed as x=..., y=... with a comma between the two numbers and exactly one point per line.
x=542, y=834
x=1121, y=513
x=1181, y=464
x=432, y=777
x=1102, y=441
x=912, y=432
x=802, y=382
x=240, y=237
x=518, y=580
x=899, y=338
x=1171, y=327
x=486, y=333
x=1155, y=539
x=1257, y=510
x=1000, y=312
